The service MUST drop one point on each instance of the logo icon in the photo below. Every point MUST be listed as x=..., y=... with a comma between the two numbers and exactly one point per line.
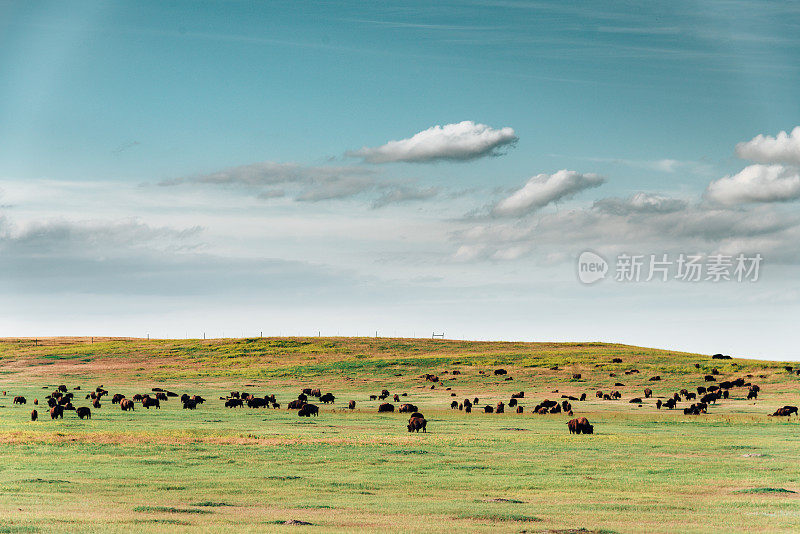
x=591, y=267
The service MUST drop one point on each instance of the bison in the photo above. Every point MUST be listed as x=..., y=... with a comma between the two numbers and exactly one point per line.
x=56, y=412
x=307, y=410
x=409, y=408
x=648, y=393
x=351, y=405
x=234, y=403
x=500, y=372
x=327, y=398
x=580, y=426
x=20, y=400
x=415, y=424
x=786, y=411
x=386, y=407
x=84, y=412
x=149, y=401
x=190, y=404
x=34, y=415
x=96, y=403
x=126, y=404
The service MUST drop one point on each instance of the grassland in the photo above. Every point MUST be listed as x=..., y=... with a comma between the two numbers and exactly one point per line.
x=222, y=470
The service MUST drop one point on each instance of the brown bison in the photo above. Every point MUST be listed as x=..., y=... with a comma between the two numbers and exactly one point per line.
x=648, y=393
x=96, y=403
x=415, y=424
x=786, y=411
x=580, y=426
x=20, y=400
x=316, y=393
x=397, y=397
x=488, y=409
x=34, y=415
x=512, y=402
x=293, y=405
x=520, y=395
x=307, y=410
x=126, y=405
x=501, y=408
x=149, y=401
x=190, y=404
x=117, y=398
x=654, y=378
x=56, y=412
x=351, y=405
x=616, y=360
x=234, y=403
x=500, y=372
x=520, y=409
x=84, y=412
x=328, y=397
x=409, y=408
x=386, y=407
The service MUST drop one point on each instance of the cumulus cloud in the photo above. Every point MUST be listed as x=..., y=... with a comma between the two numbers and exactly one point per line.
x=315, y=183
x=756, y=183
x=400, y=194
x=783, y=148
x=463, y=141
x=543, y=189
x=640, y=203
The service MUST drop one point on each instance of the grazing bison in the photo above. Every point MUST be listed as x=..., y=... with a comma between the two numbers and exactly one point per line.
x=20, y=400
x=96, y=403
x=307, y=410
x=648, y=393
x=116, y=398
x=512, y=402
x=56, y=412
x=566, y=406
x=500, y=372
x=149, y=401
x=501, y=408
x=576, y=376
x=709, y=378
x=316, y=393
x=701, y=390
x=654, y=378
x=161, y=396
x=453, y=405
x=234, y=403
x=373, y=397
x=580, y=426
x=786, y=411
x=635, y=400
x=616, y=360
x=386, y=407
x=415, y=424
x=468, y=408
x=409, y=408
x=752, y=394
x=488, y=409
x=599, y=394
x=327, y=398
x=293, y=405
x=63, y=388
x=34, y=415
x=84, y=412
x=258, y=402
x=126, y=404
x=137, y=397
x=190, y=404
x=351, y=405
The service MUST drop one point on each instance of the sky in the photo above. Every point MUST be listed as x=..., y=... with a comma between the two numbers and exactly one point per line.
x=227, y=168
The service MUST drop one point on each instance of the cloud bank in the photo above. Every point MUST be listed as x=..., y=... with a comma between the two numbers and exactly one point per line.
x=454, y=142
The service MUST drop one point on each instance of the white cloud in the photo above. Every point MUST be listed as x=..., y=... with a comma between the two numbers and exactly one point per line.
x=543, y=189
x=456, y=142
x=640, y=203
x=757, y=183
x=783, y=148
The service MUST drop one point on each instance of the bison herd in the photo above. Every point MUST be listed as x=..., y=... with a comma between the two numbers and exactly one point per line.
x=61, y=400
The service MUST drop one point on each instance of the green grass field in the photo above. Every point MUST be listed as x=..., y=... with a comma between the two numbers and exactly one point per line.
x=223, y=470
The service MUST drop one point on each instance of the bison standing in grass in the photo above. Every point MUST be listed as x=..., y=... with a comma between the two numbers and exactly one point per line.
x=786, y=411
x=327, y=398
x=149, y=401
x=20, y=400
x=580, y=426
x=415, y=424
x=34, y=415
x=408, y=408
x=307, y=410
x=351, y=405
x=56, y=412
x=84, y=412
x=126, y=405
x=386, y=407
x=234, y=403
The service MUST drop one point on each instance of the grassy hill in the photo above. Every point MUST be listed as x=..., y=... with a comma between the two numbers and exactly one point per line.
x=245, y=470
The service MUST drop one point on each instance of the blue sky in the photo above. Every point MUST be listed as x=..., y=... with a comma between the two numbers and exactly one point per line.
x=216, y=166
